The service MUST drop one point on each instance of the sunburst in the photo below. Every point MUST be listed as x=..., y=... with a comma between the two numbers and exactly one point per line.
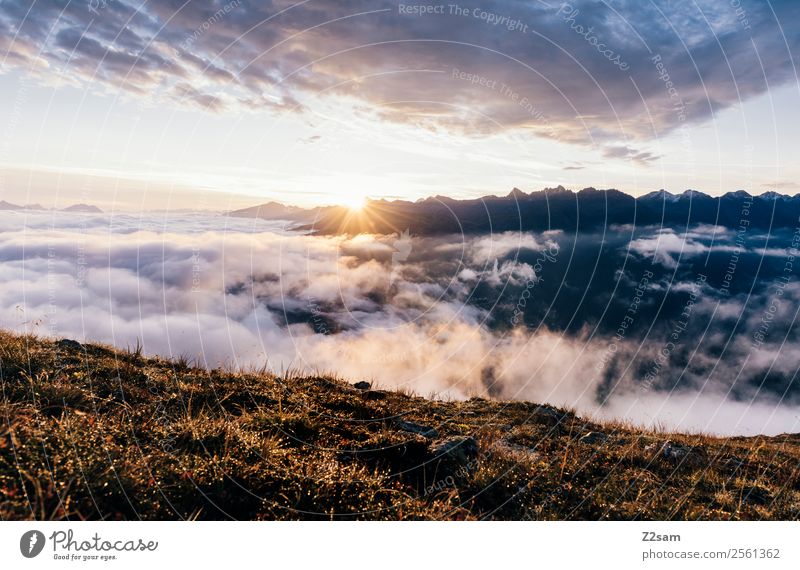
x=354, y=203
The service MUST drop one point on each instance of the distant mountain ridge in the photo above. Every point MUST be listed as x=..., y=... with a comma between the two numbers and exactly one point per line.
x=83, y=208
x=276, y=211
x=548, y=209
x=79, y=208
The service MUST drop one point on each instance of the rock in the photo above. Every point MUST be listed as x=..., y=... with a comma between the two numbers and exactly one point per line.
x=547, y=416
x=69, y=344
x=362, y=385
x=375, y=395
x=734, y=463
x=408, y=458
x=456, y=450
x=419, y=462
x=757, y=495
x=594, y=438
x=422, y=430
x=515, y=450
x=675, y=452
x=683, y=455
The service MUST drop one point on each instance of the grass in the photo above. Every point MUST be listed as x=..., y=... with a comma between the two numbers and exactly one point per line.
x=89, y=432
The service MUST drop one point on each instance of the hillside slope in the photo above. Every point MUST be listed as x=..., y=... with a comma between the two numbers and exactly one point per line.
x=92, y=433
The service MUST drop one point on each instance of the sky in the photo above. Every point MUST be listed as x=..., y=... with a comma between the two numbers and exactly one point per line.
x=225, y=104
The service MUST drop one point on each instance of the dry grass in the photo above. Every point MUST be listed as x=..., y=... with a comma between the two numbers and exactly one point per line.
x=93, y=433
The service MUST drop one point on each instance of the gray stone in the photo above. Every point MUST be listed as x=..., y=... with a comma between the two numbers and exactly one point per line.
x=684, y=455
x=514, y=449
x=69, y=344
x=362, y=385
x=734, y=463
x=458, y=449
x=422, y=430
x=756, y=495
x=547, y=416
x=594, y=438
x=675, y=452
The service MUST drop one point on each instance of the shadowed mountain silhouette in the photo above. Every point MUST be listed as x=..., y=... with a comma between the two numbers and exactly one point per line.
x=549, y=209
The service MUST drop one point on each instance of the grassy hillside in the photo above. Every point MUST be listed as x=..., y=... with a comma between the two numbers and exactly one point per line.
x=88, y=432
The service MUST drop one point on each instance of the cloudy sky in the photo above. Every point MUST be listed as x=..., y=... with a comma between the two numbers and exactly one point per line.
x=227, y=103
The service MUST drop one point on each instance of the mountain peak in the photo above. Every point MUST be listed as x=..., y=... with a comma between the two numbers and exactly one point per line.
x=693, y=194
x=84, y=208
x=557, y=190
x=592, y=191
x=660, y=195
x=738, y=194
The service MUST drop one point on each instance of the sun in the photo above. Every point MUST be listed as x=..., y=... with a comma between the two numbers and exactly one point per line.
x=354, y=203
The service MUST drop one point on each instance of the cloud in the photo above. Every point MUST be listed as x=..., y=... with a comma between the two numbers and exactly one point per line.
x=666, y=244
x=310, y=140
x=782, y=185
x=525, y=66
x=487, y=248
x=628, y=153
x=428, y=320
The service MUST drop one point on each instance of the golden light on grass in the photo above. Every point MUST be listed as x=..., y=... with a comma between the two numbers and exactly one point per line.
x=258, y=424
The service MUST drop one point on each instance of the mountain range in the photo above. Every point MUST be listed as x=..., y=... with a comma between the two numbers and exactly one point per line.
x=77, y=208
x=549, y=209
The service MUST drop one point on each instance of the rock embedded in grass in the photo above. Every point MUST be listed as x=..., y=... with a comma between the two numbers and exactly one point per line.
x=69, y=344
x=594, y=438
x=683, y=455
x=422, y=430
x=756, y=495
x=733, y=463
x=457, y=449
x=546, y=416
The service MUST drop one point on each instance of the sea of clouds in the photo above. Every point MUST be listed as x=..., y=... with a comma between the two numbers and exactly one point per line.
x=681, y=328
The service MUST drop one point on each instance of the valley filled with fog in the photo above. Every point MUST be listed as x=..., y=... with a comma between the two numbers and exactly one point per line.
x=690, y=328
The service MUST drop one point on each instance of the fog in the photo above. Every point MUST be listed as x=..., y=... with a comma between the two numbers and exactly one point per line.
x=691, y=329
